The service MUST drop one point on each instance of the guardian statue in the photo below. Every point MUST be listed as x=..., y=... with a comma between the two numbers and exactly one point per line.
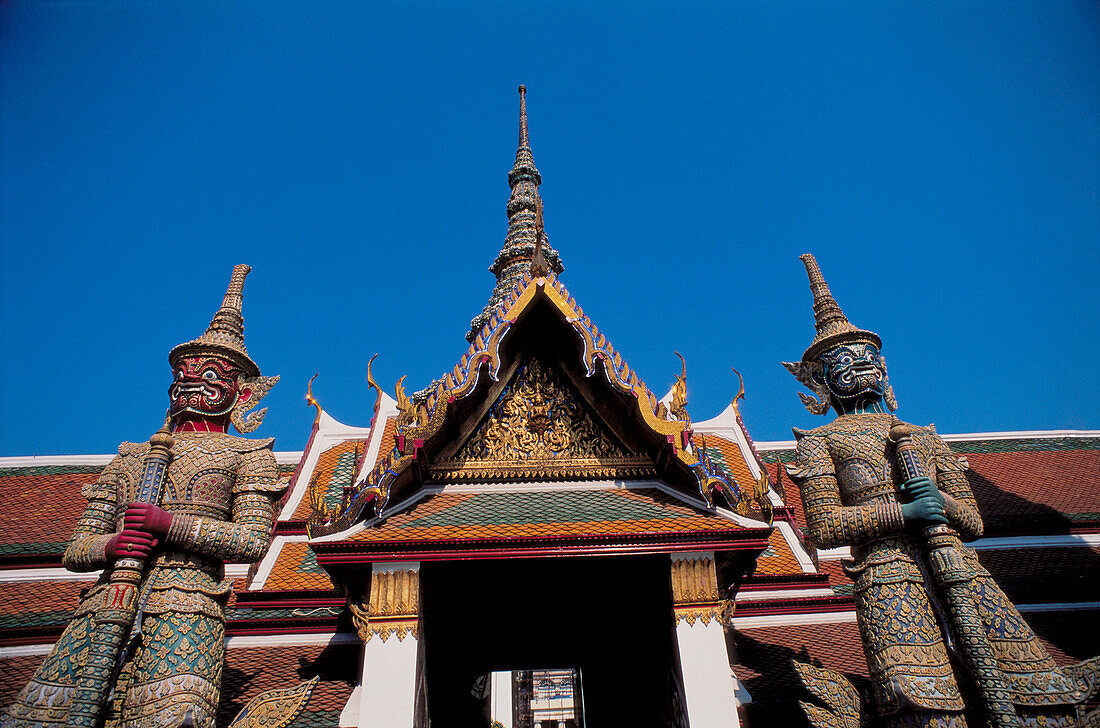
x=146, y=644
x=943, y=644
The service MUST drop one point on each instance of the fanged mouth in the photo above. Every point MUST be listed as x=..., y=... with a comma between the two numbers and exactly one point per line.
x=860, y=373
x=186, y=390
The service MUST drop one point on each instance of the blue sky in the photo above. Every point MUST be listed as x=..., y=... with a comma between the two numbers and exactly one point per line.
x=941, y=159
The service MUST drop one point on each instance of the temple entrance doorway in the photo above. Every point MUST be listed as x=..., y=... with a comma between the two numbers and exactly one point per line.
x=598, y=632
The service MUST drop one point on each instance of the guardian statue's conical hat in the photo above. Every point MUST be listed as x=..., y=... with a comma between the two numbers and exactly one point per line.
x=224, y=336
x=832, y=325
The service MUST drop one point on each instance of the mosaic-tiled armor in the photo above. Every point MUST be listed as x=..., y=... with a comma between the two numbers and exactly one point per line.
x=216, y=503
x=917, y=588
x=849, y=483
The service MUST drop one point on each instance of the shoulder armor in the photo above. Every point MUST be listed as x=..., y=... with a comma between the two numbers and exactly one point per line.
x=246, y=444
x=819, y=431
x=133, y=449
x=229, y=442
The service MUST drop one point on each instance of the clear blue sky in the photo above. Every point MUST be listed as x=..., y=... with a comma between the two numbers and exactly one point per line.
x=942, y=160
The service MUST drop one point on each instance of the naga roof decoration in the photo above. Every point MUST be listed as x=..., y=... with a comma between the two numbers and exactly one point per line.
x=684, y=459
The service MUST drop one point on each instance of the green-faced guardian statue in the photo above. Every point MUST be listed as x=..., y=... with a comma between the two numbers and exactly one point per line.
x=944, y=646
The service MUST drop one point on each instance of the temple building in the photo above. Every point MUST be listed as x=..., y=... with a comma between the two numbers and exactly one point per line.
x=538, y=540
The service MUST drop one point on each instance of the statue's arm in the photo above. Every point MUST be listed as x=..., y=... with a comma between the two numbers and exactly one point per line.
x=958, y=499
x=88, y=549
x=831, y=524
x=247, y=536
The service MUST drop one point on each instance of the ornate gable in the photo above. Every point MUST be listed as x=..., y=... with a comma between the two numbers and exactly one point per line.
x=455, y=431
x=540, y=427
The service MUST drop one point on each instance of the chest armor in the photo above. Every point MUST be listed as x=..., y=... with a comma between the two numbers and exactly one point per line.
x=864, y=461
x=200, y=477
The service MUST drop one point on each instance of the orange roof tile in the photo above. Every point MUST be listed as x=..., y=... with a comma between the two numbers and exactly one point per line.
x=41, y=507
x=778, y=558
x=1036, y=483
x=296, y=568
x=40, y=596
x=335, y=469
x=251, y=671
x=729, y=455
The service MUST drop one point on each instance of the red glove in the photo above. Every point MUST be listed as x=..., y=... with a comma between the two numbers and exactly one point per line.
x=147, y=518
x=130, y=545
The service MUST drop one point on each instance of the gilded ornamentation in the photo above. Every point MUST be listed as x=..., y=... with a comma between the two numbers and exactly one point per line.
x=275, y=708
x=538, y=419
x=695, y=592
x=843, y=705
x=311, y=401
x=393, y=607
x=679, y=394
x=157, y=639
x=899, y=497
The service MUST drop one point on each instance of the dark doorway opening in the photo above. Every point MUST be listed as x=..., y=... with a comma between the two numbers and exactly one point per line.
x=609, y=617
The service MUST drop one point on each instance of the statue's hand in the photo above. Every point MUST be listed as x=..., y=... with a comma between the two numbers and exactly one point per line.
x=924, y=510
x=130, y=545
x=922, y=487
x=147, y=518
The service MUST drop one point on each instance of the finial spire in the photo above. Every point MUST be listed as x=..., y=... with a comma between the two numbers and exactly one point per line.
x=523, y=140
x=525, y=241
x=830, y=322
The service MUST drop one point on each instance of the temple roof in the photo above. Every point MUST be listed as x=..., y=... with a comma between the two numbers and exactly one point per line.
x=540, y=519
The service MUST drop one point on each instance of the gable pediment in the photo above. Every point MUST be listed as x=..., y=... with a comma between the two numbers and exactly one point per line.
x=540, y=427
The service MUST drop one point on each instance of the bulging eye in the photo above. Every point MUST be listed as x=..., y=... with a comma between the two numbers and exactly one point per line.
x=846, y=359
x=209, y=375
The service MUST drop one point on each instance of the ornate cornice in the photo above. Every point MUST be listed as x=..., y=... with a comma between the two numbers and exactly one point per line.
x=340, y=553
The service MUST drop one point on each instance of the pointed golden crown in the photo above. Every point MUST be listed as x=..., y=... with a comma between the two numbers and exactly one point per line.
x=224, y=336
x=832, y=325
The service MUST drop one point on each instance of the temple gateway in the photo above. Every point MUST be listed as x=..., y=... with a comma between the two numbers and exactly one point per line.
x=539, y=540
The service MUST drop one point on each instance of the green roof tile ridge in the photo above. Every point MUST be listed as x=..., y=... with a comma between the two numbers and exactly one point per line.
x=979, y=446
x=35, y=619
x=56, y=547
x=1045, y=444
x=557, y=506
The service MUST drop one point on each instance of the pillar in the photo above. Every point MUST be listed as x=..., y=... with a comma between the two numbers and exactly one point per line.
x=389, y=627
x=709, y=684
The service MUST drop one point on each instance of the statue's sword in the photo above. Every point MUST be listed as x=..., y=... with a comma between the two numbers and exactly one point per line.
x=115, y=618
x=953, y=578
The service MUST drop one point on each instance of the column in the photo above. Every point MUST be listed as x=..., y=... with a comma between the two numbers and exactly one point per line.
x=389, y=627
x=709, y=684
